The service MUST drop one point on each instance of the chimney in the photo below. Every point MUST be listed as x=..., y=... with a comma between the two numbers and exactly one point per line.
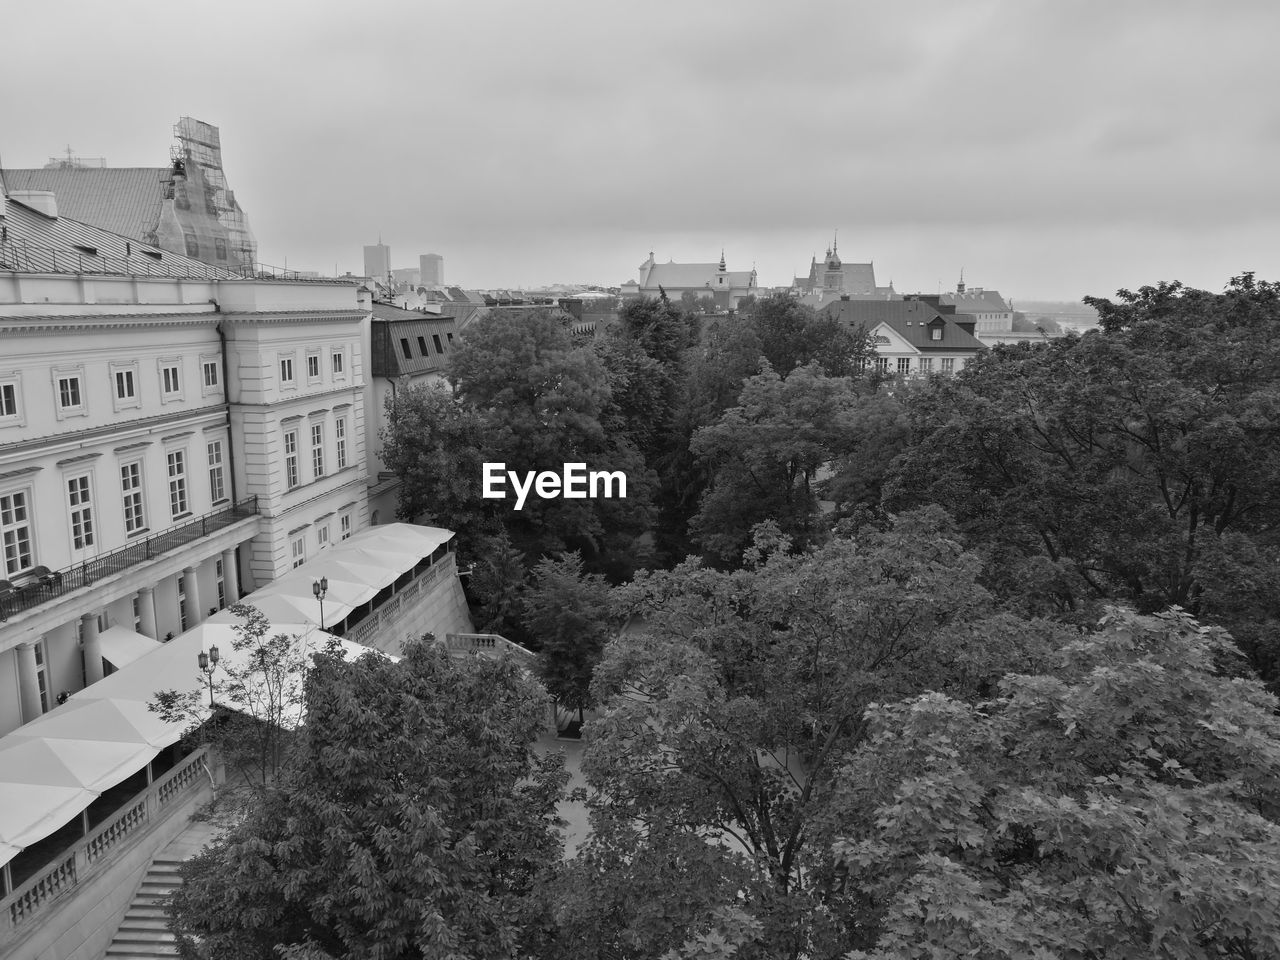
x=42, y=201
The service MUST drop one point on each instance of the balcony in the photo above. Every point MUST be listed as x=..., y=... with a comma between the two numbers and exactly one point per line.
x=24, y=595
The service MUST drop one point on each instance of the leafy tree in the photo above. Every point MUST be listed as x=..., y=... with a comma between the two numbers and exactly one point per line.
x=724, y=724
x=764, y=455
x=1123, y=806
x=792, y=334
x=658, y=328
x=257, y=689
x=435, y=445
x=566, y=612
x=418, y=824
x=1113, y=464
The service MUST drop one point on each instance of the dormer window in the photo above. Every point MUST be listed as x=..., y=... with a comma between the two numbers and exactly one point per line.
x=935, y=333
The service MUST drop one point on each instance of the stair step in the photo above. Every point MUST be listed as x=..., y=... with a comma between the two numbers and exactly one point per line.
x=159, y=924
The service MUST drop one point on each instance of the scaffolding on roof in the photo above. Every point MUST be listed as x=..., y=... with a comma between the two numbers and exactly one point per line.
x=199, y=143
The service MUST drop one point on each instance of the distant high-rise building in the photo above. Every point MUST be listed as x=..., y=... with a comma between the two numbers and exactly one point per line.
x=431, y=266
x=377, y=260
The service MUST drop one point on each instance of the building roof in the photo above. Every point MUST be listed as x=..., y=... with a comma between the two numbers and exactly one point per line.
x=36, y=243
x=910, y=319
x=419, y=331
x=678, y=276
x=124, y=200
x=977, y=300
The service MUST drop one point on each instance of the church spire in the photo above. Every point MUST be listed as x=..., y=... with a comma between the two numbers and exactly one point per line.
x=722, y=267
x=960, y=285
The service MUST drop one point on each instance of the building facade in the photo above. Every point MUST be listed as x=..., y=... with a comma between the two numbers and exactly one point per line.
x=431, y=270
x=377, y=261
x=832, y=279
x=991, y=314
x=713, y=280
x=911, y=337
x=171, y=435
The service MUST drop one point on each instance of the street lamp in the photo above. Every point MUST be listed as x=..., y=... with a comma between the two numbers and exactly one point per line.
x=208, y=663
x=320, y=588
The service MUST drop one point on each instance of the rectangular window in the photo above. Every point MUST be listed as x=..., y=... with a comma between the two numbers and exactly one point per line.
x=405, y=349
x=124, y=385
x=182, y=602
x=220, y=248
x=210, y=368
x=935, y=333
x=221, y=581
x=948, y=365
x=290, y=459
x=69, y=393
x=340, y=429
x=172, y=385
x=317, y=450
x=137, y=614
x=299, y=551
x=450, y=336
x=925, y=364
x=336, y=359
x=131, y=487
x=177, y=460
x=15, y=530
x=217, y=484
x=80, y=502
x=322, y=536
x=904, y=365
x=286, y=371
x=313, y=366
x=882, y=364
x=435, y=338
x=8, y=400
x=344, y=526
x=422, y=346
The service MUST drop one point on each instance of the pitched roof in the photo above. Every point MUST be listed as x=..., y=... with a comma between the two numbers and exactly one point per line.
x=908, y=318
x=124, y=200
x=679, y=276
x=40, y=244
x=980, y=300
x=419, y=331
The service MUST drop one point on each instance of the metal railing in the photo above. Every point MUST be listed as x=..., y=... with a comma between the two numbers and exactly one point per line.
x=23, y=257
x=37, y=591
x=21, y=908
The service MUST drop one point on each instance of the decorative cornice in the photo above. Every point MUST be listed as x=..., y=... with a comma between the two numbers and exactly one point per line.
x=286, y=317
x=80, y=459
x=132, y=446
x=24, y=471
x=49, y=326
x=176, y=436
x=140, y=426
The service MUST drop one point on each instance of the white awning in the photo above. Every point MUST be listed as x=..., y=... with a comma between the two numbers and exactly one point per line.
x=122, y=646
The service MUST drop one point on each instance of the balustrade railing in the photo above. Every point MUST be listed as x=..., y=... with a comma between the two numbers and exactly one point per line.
x=50, y=584
x=91, y=854
x=491, y=644
x=382, y=620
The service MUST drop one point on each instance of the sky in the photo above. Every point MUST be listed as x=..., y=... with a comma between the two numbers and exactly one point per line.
x=1050, y=150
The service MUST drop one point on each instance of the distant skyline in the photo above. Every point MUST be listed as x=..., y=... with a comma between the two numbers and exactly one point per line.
x=1050, y=150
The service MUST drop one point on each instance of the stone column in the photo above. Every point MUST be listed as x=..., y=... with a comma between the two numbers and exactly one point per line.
x=191, y=586
x=230, y=576
x=147, y=612
x=28, y=685
x=92, y=648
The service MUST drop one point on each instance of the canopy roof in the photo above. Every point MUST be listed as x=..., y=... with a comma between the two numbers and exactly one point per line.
x=55, y=766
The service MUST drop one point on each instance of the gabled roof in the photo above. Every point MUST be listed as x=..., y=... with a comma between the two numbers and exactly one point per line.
x=689, y=276
x=124, y=200
x=910, y=319
x=977, y=301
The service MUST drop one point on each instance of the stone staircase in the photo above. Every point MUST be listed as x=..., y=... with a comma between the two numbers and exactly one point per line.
x=144, y=933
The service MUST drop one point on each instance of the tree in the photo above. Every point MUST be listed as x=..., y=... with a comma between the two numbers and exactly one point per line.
x=566, y=612
x=1124, y=805
x=1113, y=465
x=436, y=446
x=764, y=455
x=723, y=725
x=792, y=334
x=418, y=825
x=257, y=686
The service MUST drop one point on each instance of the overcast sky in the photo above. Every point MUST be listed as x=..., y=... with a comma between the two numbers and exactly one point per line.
x=1051, y=149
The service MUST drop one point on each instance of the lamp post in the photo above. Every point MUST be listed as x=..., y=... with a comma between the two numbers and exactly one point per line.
x=208, y=663
x=320, y=588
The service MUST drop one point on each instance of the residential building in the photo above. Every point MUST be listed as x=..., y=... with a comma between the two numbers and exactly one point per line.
x=989, y=310
x=714, y=280
x=912, y=337
x=406, y=347
x=184, y=207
